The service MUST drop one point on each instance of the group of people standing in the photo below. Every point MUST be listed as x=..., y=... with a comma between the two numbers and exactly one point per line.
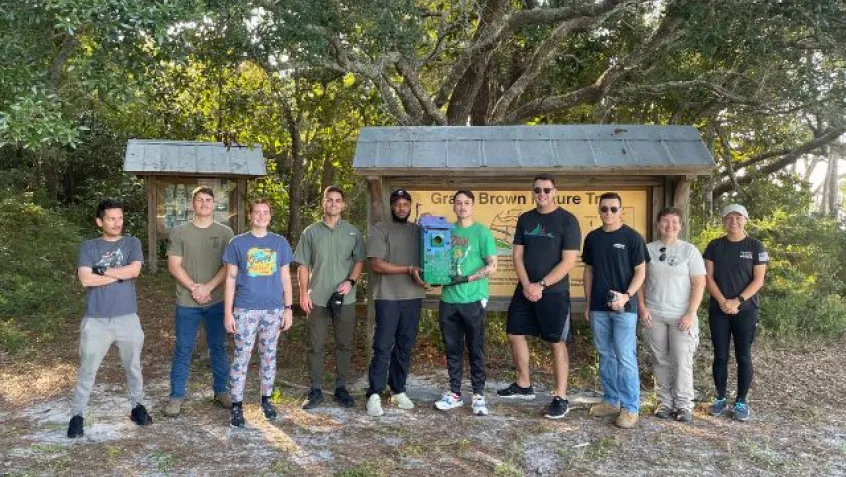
x=241, y=285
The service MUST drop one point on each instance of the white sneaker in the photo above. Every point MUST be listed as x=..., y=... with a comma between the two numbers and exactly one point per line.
x=449, y=401
x=374, y=405
x=479, y=406
x=402, y=401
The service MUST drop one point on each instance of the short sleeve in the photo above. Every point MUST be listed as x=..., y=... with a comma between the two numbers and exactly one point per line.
x=518, y=232
x=136, y=254
x=637, y=249
x=358, y=249
x=303, y=253
x=285, y=255
x=710, y=251
x=696, y=264
x=377, y=245
x=86, y=255
x=572, y=234
x=228, y=235
x=175, y=247
x=488, y=244
x=587, y=251
x=230, y=254
x=760, y=257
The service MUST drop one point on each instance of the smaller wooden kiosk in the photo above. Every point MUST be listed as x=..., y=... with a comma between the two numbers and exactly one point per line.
x=172, y=169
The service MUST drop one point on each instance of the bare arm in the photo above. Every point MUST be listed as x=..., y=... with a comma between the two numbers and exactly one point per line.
x=346, y=286
x=697, y=290
x=387, y=268
x=90, y=279
x=587, y=281
x=229, y=297
x=758, y=274
x=568, y=261
x=287, y=290
x=303, y=276
x=519, y=266
x=486, y=271
x=126, y=272
x=174, y=266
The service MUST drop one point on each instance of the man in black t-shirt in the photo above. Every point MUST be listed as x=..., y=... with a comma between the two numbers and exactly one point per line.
x=615, y=267
x=546, y=246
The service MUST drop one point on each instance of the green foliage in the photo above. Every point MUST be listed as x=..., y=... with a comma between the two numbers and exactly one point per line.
x=38, y=287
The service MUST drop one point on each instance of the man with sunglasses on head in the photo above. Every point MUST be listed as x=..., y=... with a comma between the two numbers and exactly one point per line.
x=615, y=267
x=545, y=249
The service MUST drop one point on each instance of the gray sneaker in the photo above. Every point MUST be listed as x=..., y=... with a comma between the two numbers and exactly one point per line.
x=223, y=399
x=374, y=405
x=173, y=408
x=684, y=415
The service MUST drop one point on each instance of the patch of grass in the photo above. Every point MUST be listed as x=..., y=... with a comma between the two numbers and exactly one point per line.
x=365, y=469
x=602, y=448
x=164, y=461
x=39, y=293
x=283, y=467
x=507, y=468
x=48, y=448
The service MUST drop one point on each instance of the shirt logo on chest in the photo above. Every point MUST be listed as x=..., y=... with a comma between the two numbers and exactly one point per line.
x=620, y=246
x=746, y=255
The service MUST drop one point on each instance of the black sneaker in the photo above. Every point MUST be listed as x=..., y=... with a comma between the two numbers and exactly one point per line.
x=315, y=397
x=516, y=392
x=268, y=410
x=558, y=408
x=237, y=417
x=342, y=397
x=75, y=427
x=139, y=416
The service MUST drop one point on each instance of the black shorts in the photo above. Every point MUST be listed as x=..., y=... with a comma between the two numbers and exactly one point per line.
x=547, y=318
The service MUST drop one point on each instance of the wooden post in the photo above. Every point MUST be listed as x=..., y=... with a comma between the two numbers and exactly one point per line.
x=240, y=206
x=152, y=224
x=375, y=215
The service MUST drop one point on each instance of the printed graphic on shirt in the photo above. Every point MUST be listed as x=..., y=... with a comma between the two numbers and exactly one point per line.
x=538, y=231
x=261, y=262
x=763, y=257
x=460, y=252
x=621, y=246
x=746, y=255
x=112, y=259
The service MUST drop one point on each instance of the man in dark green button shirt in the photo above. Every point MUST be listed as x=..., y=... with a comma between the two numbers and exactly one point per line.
x=331, y=255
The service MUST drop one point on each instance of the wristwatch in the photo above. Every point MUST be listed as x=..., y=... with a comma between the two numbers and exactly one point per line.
x=289, y=307
x=542, y=283
x=740, y=299
x=352, y=282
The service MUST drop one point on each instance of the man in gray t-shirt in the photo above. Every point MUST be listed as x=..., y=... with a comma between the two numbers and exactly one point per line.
x=107, y=268
x=394, y=252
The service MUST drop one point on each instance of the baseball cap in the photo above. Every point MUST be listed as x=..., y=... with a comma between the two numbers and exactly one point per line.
x=735, y=208
x=400, y=194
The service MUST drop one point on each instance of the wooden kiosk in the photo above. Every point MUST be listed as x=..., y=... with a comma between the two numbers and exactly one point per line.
x=172, y=169
x=650, y=166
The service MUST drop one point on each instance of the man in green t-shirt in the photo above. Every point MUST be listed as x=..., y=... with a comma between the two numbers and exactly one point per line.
x=330, y=254
x=462, y=308
x=194, y=259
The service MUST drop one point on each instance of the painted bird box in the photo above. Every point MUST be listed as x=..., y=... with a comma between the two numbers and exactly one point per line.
x=435, y=249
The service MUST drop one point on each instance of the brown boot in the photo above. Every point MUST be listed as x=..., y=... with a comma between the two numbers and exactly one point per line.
x=604, y=409
x=626, y=419
x=173, y=408
x=223, y=399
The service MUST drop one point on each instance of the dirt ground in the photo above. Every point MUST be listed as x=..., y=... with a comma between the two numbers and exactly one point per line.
x=798, y=425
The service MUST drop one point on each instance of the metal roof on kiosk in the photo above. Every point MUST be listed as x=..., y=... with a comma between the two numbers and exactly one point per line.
x=160, y=157
x=490, y=150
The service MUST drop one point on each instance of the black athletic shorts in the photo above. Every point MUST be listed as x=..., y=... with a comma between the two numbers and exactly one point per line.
x=547, y=318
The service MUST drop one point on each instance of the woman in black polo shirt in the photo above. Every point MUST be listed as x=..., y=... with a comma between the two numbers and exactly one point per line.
x=735, y=265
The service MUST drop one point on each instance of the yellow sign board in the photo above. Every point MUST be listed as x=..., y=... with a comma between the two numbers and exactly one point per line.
x=499, y=210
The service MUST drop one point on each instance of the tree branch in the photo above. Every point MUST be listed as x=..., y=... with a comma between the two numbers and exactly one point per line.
x=409, y=74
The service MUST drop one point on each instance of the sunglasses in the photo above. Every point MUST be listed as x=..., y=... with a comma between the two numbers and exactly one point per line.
x=613, y=210
x=545, y=190
x=663, y=255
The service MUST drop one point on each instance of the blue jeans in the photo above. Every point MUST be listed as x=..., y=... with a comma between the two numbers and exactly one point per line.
x=615, y=338
x=187, y=323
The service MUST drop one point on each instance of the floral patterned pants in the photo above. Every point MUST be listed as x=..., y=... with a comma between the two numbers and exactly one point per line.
x=251, y=324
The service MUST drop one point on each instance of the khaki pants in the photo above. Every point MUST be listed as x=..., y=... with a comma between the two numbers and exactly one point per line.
x=318, y=330
x=672, y=360
x=95, y=338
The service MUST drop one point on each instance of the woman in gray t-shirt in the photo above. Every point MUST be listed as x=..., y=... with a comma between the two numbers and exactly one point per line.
x=667, y=304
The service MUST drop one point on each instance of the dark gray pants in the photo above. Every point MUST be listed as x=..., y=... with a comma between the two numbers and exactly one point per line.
x=394, y=337
x=462, y=322
x=318, y=330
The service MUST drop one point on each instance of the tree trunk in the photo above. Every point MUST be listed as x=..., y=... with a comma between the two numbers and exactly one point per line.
x=832, y=197
x=295, y=191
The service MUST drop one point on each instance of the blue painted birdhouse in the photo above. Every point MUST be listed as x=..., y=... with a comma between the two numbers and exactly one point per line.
x=435, y=249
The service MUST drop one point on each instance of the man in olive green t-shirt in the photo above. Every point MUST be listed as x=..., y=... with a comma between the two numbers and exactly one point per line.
x=461, y=313
x=330, y=254
x=394, y=252
x=194, y=259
